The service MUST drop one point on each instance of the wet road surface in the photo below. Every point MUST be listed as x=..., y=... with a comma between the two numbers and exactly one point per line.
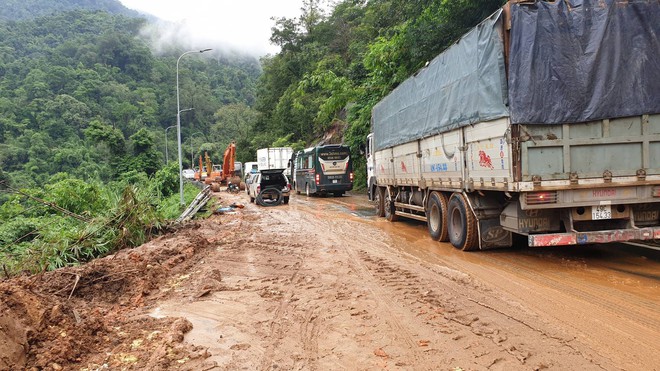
x=607, y=296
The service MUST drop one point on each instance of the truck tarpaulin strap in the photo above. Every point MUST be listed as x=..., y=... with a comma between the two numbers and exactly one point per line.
x=464, y=85
x=584, y=60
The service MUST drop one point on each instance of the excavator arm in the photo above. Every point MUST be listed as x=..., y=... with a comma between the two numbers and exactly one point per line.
x=228, y=161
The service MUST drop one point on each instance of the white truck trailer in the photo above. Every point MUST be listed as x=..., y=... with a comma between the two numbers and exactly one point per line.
x=542, y=121
x=275, y=158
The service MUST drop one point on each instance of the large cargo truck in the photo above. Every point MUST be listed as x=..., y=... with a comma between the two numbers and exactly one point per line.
x=542, y=121
x=275, y=158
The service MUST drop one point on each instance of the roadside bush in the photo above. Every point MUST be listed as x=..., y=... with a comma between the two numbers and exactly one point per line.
x=166, y=180
x=124, y=214
x=17, y=230
x=76, y=196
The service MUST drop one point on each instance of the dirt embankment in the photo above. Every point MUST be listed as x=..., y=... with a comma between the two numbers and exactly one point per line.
x=90, y=316
x=298, y=286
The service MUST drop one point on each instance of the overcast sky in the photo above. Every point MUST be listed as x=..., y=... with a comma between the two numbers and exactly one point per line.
x=235, y=24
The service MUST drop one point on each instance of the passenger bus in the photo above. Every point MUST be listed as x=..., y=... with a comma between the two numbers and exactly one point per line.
x=323, y=169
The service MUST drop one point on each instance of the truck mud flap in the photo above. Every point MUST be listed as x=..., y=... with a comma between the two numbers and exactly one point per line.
x=492, y=235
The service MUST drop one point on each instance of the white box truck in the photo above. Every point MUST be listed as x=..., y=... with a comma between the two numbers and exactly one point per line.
x=251, y=167
x=275, y=158
x=542, y=121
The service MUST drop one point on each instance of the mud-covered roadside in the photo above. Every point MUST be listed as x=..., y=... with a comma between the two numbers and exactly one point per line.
x=298, y=286
x=93, y=317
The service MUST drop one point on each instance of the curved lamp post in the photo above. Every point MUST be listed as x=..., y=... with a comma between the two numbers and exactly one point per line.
x=178, y=121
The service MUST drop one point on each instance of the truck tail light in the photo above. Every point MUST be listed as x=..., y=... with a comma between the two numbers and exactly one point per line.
x=258, y=189
x=350, y=176
x=318, y=179
x=656, y=191
x=539, y=198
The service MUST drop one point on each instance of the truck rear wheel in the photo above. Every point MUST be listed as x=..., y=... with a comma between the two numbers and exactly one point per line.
x=437, y=217
x=462, y=225
x=379, y=199
x=389, y=208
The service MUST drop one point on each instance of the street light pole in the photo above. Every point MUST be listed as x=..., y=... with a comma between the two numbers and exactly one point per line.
x=167, y=157
x=178, y=122
x=191, y=148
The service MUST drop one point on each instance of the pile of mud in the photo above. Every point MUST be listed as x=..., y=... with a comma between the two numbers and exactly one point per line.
x=88, y=317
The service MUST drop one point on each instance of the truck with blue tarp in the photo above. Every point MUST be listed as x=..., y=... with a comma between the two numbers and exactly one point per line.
x=542, y=121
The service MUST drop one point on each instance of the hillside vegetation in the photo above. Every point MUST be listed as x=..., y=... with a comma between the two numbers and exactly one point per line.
x=28, y=9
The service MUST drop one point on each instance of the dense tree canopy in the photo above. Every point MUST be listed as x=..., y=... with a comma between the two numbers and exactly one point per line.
x=77, y=87
x=25, y=9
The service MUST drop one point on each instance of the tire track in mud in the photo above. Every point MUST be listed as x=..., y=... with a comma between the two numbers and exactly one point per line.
x=277, y=329
x=368, y=282
x=411, y=286
x=309, y=335
x=382, y=296
x=440, y=310
x=308, y=330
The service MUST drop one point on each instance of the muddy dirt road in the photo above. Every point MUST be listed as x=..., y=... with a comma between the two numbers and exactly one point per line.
x=322, y=284
x=605, y=297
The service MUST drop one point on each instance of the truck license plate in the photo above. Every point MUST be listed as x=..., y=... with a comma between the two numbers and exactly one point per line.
x=335, y=181
x=601, y=212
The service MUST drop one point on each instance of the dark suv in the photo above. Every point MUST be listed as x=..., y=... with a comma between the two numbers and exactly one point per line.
x=273, y=179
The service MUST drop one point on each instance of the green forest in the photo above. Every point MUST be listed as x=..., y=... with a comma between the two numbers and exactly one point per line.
x=87, y=109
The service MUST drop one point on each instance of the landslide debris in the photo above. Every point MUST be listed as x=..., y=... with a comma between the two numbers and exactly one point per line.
x=88, y=317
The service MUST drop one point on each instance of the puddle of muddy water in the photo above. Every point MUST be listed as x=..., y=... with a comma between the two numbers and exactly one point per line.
x=357, y=211
x=217, y=323
x=356, y=205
